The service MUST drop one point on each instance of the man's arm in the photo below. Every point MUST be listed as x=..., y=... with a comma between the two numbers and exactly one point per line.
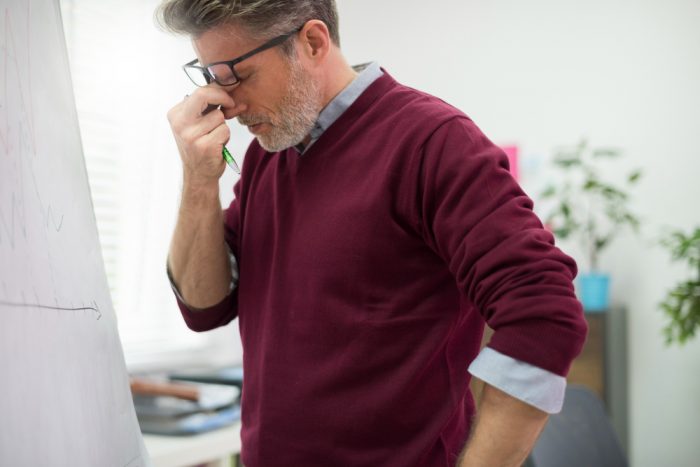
x=198, y=260
x=504, y=433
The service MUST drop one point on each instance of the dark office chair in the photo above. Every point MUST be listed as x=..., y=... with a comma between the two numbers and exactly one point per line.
x=579, y=436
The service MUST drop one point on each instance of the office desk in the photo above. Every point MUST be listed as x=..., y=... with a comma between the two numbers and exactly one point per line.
x=214, y=448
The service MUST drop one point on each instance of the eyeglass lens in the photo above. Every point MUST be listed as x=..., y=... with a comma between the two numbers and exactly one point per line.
x=222, y=73
x=197, y=77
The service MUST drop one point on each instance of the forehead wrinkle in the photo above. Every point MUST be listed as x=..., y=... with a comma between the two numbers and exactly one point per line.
x=223, y=38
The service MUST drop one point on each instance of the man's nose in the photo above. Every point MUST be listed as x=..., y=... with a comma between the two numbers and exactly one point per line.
x=239, y=98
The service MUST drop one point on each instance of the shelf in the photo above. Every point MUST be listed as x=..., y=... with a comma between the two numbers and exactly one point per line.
x=214, y=448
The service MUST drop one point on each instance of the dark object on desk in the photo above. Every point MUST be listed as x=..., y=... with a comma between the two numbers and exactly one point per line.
x=231, y=375
x=211, y=397
x=579, y=436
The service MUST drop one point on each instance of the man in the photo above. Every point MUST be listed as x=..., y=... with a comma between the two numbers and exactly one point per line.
x=373, y=232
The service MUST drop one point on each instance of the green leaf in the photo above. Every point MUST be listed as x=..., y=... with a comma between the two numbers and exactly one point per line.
x=548, y=192
x=565, y=209
x=590, y=185
x=567, y=162
x=611, y=192
x=631, y=220
x=561, y=233
x=634, y=176
x=601, y=243
x=682, y=307
x=606, y=152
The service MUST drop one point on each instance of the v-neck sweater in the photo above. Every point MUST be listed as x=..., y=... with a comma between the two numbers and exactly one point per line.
x=367, y=268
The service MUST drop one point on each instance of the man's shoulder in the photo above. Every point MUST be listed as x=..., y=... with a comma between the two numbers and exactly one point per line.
x=409, y=117
x=417, y=109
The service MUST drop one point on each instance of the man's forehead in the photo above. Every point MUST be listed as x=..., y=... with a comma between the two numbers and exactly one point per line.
x=222, y=43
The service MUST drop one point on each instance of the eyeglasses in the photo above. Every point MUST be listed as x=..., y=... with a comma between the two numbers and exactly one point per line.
x=223, y=73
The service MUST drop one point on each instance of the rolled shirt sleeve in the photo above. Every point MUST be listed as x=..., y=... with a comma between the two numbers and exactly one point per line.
x=533, y=385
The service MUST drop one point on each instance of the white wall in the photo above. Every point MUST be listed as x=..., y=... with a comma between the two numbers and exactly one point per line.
x=544, y=73
x=126, y=75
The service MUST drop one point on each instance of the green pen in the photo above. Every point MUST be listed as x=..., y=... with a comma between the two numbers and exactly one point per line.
x=228, y=158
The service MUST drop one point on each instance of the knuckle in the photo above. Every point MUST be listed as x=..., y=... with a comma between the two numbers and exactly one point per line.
x=177, y=127
x=187, y=137
x=199, y=145
x=172, y=115
x=177, y=122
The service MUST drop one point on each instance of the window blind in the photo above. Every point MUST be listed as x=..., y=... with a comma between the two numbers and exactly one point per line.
x=125, y=78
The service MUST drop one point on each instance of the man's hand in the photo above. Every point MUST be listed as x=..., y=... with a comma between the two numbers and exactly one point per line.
x=198, y=258
x=505, y=432
x=200, y=136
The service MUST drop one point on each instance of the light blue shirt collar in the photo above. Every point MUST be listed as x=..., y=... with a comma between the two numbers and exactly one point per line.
x=368, y=73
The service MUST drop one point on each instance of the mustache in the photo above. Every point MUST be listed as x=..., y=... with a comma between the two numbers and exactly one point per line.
x=252, y=119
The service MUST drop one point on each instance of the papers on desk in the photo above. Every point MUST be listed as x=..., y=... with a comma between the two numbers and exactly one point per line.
x=229, y=375
x=189, y=424
x=217, y=406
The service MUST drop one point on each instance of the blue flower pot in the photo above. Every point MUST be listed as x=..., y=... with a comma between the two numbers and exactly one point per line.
x=594, y=291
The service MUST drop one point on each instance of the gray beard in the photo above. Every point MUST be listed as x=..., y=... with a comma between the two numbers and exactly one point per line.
x=298, y=112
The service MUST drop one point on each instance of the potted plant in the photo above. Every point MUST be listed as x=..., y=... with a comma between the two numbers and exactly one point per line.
x=585, y=207
x=682, y=302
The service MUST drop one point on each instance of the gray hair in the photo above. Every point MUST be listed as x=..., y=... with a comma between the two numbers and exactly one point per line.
x=260, y=18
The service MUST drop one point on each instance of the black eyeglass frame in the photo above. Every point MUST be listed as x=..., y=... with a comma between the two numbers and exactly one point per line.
x=209, y=77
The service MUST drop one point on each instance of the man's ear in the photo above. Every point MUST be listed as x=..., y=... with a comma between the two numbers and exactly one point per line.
x=315, y=41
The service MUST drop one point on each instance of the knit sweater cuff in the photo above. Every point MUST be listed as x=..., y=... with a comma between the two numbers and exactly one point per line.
x=205, y=319
x=537, y=341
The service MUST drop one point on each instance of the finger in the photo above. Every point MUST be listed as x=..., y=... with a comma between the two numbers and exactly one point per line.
x=228, y=111
x=206, y=123
x=202, y=98
x=221, y=134
x=217, y=138
x=219, y=98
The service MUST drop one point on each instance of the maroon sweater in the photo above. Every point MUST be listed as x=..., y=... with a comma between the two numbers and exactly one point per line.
x=368, y=266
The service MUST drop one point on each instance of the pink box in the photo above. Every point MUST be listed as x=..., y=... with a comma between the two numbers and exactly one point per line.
x=512, y=153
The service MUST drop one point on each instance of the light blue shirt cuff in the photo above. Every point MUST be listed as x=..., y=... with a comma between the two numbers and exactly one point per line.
x=528, y=383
